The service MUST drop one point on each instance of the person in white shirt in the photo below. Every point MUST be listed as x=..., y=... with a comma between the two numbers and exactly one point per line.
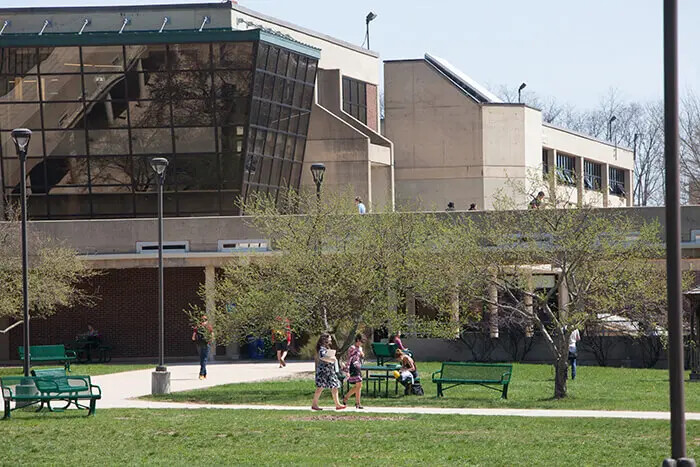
x=360, y=205
x=573, y=352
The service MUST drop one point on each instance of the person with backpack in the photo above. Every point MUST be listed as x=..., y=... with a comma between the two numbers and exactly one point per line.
x=282, y=338
x=354, y=367
x=203, y=335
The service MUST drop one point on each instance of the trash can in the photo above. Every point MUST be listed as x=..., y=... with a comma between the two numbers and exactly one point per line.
x=256, y=348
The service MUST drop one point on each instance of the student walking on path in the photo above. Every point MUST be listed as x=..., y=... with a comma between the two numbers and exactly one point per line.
x=326, y=377
x=203, y=335
x=282, y=338
x=355, y=356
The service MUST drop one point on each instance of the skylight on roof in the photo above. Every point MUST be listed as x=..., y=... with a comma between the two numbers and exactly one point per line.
x=476, y=91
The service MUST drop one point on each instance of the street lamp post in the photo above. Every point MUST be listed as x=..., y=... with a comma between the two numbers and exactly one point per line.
x=520, y=91
x=160, y=383
x=317, y=171
x=21, y=137
x=673, y=238
x=370, y=17
x=610, y=122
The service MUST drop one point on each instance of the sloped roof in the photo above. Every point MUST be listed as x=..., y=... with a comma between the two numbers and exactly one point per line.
x=463, y=81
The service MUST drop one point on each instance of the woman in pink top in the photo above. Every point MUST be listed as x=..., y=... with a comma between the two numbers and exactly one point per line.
x=396, y=339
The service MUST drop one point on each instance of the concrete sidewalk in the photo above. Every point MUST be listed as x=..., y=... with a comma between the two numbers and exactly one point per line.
x=120, y=389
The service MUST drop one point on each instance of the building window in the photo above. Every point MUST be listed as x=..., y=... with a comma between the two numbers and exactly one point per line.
x=592, y=179
x=617, y=181
x=545, y=162
x=355, y=98
x=566, y=169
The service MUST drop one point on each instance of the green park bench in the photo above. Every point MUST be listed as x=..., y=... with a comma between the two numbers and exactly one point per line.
x=51, y=385
x=484, y=374
x=383, y=351
x=49, y=353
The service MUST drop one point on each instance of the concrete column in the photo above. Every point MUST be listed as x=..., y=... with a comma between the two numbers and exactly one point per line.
x=579, y=180
x=605, y=184
x=629, y=188
x=552, y=160
x=563, y=299
x=210, y=304
x=493, y=312
x=411, y=313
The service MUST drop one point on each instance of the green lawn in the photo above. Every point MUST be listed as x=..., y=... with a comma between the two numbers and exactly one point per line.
x=80, y=369
x=223, y=437
x=532, y=386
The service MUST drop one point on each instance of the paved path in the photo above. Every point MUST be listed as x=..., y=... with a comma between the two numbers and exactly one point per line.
x=122, y=390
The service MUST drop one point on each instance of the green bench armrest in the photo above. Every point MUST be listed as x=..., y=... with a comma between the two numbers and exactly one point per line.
x=506, y=376
x=439, y=372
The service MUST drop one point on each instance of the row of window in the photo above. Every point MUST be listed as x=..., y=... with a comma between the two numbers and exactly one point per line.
x=355, y=98
x=592, y=173
x=23, y=61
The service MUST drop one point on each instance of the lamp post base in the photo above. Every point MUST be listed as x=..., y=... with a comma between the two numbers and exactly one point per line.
x=682, y=462
x=160, y=382
x=25, y=388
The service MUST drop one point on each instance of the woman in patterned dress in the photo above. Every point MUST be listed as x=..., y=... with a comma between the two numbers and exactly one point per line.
x=326, y=377
x=355, y=356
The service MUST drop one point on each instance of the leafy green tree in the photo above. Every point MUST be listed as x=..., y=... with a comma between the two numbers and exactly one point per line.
x=599, y=260
x=330, y=270
x=55, y=275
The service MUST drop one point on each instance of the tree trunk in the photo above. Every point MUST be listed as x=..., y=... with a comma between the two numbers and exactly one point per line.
x=561, y=367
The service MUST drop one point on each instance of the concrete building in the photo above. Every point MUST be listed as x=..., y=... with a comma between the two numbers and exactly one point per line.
x=456, y=141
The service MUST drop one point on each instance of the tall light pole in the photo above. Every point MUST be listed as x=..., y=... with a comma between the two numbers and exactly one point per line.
x=673, y=238
x=520, y=90
x=161, y=377
x=21, y=137
x=370, y=17
x=610, y=122
x=317, y=171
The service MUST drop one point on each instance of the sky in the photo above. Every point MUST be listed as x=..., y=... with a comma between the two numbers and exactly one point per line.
x=572, y=51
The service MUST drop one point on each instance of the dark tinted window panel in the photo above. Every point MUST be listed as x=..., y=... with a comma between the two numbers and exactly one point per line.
x=63, y=143
x=151, y=141
x=263, y=51
x=272, y=59
x=18, y=61
x=113, y=141
x=301, y=68
x=233, y=55
x=189, y=56
x=191, y=140
x=102, y=59
x=198, y=172
x=19, y=116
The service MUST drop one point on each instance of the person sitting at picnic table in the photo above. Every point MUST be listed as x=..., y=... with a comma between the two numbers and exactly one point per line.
x=354, y=367
x=92, y=332
x=408, y=372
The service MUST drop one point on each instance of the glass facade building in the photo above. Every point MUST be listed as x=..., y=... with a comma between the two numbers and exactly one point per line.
x=229, y=109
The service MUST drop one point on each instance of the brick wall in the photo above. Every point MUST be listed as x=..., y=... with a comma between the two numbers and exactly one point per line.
x=126, y=314
x=372, y=111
